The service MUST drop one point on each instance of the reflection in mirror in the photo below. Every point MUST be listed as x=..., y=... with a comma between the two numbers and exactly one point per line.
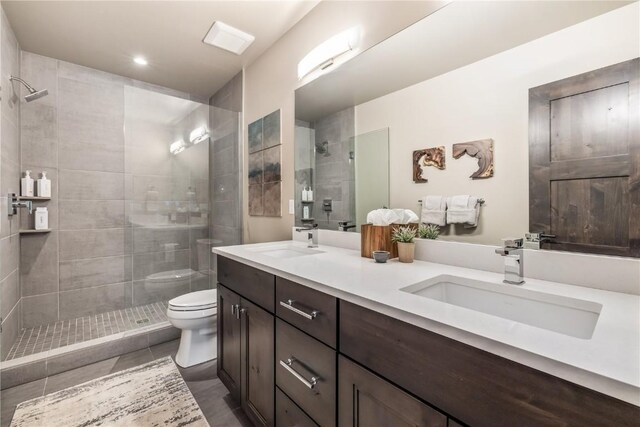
x=332, y=166
x=431, y=90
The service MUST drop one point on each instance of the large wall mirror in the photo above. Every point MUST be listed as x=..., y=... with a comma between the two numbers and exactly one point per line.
x=467, y=73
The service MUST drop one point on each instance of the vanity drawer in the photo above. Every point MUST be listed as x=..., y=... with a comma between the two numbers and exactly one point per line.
x=255, y=285
x=309, y=310
x=474, y=386
x=288, y=414
x=306, y=371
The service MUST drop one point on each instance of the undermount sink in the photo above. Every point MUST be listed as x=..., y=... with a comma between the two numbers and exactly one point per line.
x=569, y=316
x=286, y=251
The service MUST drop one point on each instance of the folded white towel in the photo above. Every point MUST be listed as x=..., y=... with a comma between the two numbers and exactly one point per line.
x=463, y=210
x=434, y=210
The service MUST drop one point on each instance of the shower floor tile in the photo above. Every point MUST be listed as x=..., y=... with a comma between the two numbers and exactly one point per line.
x=66, y=332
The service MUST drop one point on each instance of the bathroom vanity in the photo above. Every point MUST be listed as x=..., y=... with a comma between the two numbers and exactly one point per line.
x=330, y=338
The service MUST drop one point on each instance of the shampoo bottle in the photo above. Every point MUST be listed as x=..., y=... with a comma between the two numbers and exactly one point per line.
x=305, y=212
x=44, y=186
x=309, y=195
x=26, y=188
x=305, y=194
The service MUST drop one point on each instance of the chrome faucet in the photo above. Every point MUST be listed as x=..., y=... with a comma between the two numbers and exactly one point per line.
x=345, y=226
x=312, y=236
x=513, y=263
x=14, y=203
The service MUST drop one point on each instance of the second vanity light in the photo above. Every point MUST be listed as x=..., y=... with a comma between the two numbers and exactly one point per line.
x=196, y=136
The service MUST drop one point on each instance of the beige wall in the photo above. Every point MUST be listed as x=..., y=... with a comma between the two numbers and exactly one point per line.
x=271, y=80
x=489, y=99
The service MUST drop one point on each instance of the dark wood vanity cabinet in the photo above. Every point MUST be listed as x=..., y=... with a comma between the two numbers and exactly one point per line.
x=368, y=400
x=246, y=346
x=295, y=356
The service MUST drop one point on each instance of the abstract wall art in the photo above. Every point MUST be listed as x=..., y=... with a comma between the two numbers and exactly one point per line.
x=264, y=168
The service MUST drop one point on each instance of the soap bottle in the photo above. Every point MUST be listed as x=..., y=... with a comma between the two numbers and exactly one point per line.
x=26, y=188
x=305, y=194
x=44, y=186
x=309, y=195
x=305, y=212
x=42, y=218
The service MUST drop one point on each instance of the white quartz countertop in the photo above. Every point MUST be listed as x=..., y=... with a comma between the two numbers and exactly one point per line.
x=609, y=362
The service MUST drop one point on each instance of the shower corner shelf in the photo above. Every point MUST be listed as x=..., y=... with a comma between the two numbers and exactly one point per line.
x=46, y=230
x=34, y=198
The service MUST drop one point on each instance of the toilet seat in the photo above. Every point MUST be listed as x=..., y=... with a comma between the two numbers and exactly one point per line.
x=195, y=301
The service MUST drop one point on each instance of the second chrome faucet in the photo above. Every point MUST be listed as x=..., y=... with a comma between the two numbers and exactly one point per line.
x=312, y=236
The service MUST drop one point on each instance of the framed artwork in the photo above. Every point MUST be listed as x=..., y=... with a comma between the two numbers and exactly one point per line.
x=264, y=171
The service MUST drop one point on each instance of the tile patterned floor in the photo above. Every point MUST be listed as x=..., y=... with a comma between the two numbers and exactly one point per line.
x=60, y=334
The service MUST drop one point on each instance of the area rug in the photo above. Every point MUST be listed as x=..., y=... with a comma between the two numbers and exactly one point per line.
x=153, y=394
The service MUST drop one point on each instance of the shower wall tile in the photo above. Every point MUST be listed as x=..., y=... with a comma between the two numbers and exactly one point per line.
x=42, y=73
x=225, y=187
x=9, y=293
x=224, y=161
x=83, y=185
x=39, y=263
x=225, y=213
x=99, y=299
x=9, y=175
x=9, y=255
x=67, y=70
x=156, y=262
x=80, y=155
x=168, y=188
x=39, y=134
x=146, y=293
x=160, y=240
x=39, y=309
x=10, y=142
x=91, y=214
x=80, y=244
x=10, y=329
x=10, y=62
x=86, y=273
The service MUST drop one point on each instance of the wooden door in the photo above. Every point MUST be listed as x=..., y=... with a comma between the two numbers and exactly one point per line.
x=257, y=369
x=365, y=400
x=584, y=161
x=228, y=365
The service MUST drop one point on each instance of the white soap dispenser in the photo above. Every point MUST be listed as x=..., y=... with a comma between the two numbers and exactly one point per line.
x=42, y=218
x=26, y=187
x=44, y=186
x=309, y=195
x=305, y=194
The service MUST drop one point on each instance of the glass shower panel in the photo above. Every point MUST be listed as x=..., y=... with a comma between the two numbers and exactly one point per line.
x=167, y=194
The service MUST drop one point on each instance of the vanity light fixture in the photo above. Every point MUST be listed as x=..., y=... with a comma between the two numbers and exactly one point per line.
x=198, y=135
x=140, y=60
x=326, y=53
x=228, y=38
x=177, y=147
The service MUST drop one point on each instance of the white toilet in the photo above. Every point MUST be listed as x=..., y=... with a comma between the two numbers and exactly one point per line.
x=196, y=314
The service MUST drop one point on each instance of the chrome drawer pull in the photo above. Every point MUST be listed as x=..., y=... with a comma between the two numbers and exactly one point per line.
x=289, y=305
x=287, y=365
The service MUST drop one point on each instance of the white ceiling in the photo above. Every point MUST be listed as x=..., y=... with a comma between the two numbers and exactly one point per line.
x=106, y=35
x=458, y=34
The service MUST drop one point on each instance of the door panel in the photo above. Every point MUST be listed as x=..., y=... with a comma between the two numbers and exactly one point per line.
x=228, y=365
x=367, y=400
x=584, y=161
x=257, y=369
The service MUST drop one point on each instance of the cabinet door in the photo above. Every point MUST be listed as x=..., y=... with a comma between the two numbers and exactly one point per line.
x=365, y=400
x=257, y=368
x=228, y=365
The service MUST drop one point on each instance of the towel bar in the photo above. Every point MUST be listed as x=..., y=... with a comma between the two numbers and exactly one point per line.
x=481, y=201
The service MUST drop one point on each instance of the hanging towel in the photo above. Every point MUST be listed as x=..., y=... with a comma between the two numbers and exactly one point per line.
x=463, y=210
x=434, y=210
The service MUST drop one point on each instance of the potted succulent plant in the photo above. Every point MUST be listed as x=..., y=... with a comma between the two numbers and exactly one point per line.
x=430, y=231
x=404, y=236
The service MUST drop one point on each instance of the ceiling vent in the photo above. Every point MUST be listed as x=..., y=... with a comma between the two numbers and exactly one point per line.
x=228, y=38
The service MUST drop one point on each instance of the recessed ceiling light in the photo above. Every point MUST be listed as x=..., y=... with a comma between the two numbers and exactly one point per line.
x=140, y=60
x=228, y=38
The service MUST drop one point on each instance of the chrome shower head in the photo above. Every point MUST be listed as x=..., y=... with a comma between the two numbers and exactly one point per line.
x=323, y=148
x=33, y=94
